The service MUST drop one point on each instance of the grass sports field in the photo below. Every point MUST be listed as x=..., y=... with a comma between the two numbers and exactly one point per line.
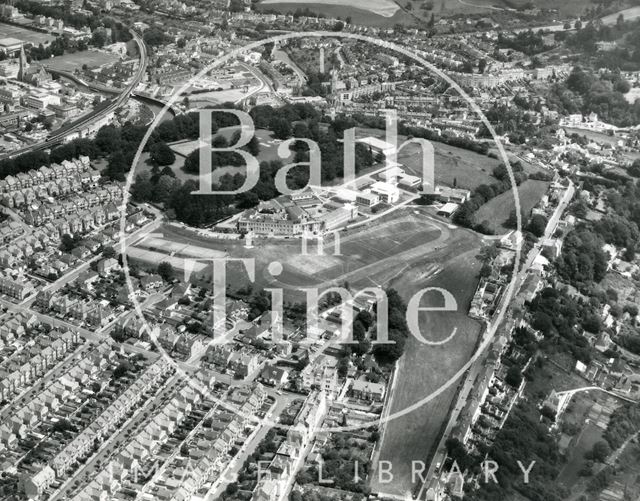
x=92, y=58
x=498, y=209
x=29, y=36
x=369, y=256
x=423, y=369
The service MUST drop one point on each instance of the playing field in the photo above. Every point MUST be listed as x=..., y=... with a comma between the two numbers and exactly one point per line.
x=424, y=368
x=92, y=58
x=28, y=36
x=368, y=256
x=380, y=13
x=498, y=209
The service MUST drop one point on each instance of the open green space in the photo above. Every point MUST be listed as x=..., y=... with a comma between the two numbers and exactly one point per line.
x=498, y=209
x=424, y=368
x=72, y=61
x=453, y=165
x=24, y=34
x=368, y=255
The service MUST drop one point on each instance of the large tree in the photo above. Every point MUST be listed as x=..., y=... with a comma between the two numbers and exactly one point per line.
x=161, y=154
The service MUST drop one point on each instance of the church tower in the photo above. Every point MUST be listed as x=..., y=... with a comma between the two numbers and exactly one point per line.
x=23, y=64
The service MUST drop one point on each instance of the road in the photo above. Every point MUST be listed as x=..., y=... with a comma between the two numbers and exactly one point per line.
x=124, y=433
x=230, y=473
x=54, y=374
x=259, y=88
x=264, y=80
x=571, y=393
x=58, y=137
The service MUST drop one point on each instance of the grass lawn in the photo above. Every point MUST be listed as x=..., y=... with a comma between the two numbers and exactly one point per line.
x=92, y=58
x=374, y=13
x=498, y=209
x=557, y=373
x=588, y=436
x=370, y=255
x=467, y=168
x=423, y=369
x=589, y=413
x=29, y=36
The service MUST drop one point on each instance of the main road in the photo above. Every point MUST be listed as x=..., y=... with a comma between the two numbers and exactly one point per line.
x=94, y=116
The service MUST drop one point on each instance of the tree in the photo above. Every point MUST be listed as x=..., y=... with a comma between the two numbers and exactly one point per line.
x=514, y=377
x=154, y=36
x=108, y=139
x=99, y=37
x=578, y=25
x=537, y=225
x=142, y=187
x=482, y=65
x=161, y=154
x=600, y=451
x=281, y=128
x=634, y=168
x=108, y=252
x=579, y=81
x=67, y=243
x=166, y=271
x=117, y=166
x=343, y=366
x=253, y=146
x=164, y=189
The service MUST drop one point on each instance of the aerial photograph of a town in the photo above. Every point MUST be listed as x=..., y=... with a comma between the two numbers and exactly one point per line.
x=319, y=250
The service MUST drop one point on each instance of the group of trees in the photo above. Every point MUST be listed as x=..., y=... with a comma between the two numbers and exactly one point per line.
x=561, y=319
x=523, y=439
x=624, y=422
x=204, y=209
x=388, y=353
x=511, y=121
x=626, y=54
x=584, y=92
x=119, y=32
x=527, y=42
x=155, y=36
x=582, y=260
x=55, y=48
x=339, y=457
